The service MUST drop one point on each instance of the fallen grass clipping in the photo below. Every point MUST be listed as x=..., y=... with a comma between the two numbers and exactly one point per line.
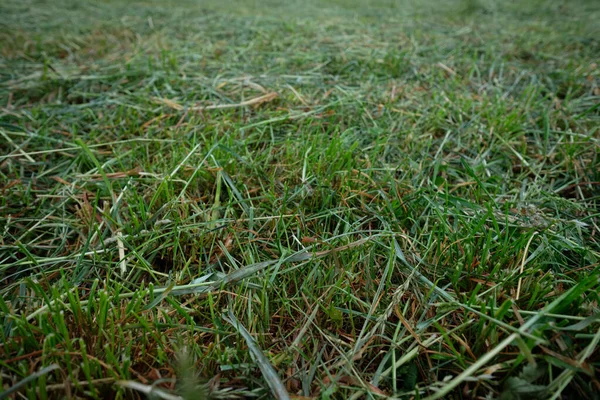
x=315, y=200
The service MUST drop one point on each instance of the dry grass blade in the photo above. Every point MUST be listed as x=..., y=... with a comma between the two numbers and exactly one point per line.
x=17, y=148
x=121, y=248
x=67, y=385
x=252, y=102
x=267, y=370
x=523, y=265
x=150, y=391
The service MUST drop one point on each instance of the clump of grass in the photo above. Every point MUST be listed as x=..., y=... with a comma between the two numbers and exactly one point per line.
x=392, y=201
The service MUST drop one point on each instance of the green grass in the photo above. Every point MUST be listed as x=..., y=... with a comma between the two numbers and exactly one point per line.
x=363, y=199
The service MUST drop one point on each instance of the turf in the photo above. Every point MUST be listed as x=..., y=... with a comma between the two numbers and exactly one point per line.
x=319, y=199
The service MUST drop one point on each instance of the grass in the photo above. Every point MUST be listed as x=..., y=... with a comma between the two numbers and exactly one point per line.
x=326, y=199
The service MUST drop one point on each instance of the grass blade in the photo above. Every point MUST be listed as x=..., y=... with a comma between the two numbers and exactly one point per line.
x=30, y=378
x=269, y=373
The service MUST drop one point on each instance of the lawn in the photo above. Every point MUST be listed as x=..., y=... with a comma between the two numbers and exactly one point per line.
x=317, y=199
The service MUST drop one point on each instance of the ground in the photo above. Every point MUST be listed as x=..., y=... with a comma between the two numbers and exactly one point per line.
x=318, y=199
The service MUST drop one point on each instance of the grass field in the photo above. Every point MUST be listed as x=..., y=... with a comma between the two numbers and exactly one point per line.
x=307, y=200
